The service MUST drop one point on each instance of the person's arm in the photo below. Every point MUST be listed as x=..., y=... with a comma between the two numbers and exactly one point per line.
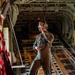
x=51, y=38
x=34, y=45
x=40, y=46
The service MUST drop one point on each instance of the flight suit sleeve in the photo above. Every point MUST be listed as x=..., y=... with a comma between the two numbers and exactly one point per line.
x=40, y=42
x=35, y=43
x=50, y=38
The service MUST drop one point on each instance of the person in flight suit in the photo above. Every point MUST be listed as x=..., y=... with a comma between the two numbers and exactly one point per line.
x=42, y=45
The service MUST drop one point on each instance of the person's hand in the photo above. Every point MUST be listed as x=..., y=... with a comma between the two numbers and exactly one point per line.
x=43, y=30
x=38, y=48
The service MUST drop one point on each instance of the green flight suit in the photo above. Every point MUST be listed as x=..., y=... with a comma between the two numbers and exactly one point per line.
x=43, y=57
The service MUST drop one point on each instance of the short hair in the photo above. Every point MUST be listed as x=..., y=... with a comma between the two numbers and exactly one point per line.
x=42, y=21
x=45, y=23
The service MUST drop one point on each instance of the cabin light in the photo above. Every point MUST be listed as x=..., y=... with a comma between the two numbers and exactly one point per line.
x=28, y=7
x=61, y=7
x=56, y=10
x=70, y=1
x=57, y=1
x=47, y=0
x=38, y=18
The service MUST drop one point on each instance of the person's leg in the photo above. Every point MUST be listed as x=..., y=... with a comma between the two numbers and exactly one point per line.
x=46, y=62
x=35, y=67
x=47, y=67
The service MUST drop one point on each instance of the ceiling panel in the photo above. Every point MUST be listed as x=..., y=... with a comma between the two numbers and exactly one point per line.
x=55, y=1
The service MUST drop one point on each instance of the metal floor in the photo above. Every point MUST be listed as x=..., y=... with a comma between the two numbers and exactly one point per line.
x=63, y=60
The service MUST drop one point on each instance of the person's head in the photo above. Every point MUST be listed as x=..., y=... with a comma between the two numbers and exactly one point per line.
x=42, y=25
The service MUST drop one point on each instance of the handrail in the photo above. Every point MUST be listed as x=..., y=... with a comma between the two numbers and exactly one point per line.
x=11, y=26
